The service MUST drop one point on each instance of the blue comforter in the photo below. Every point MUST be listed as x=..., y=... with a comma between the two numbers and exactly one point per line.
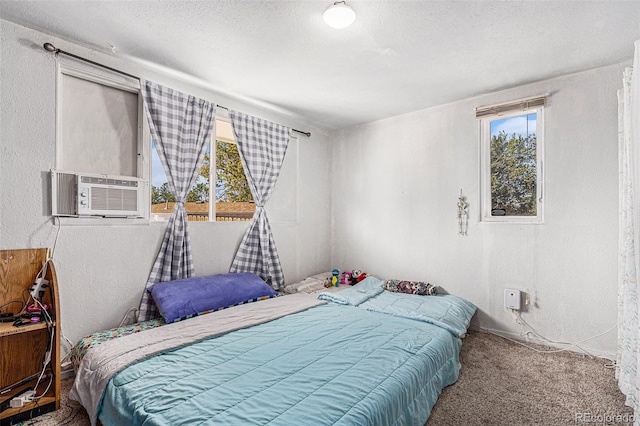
x=452, y=313
x=331, y=364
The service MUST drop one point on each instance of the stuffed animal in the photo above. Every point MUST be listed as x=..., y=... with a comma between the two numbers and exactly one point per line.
x=335, y=281
x=357, y=275
x=347, y=278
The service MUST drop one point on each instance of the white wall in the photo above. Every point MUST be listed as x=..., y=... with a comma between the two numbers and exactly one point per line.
x=390, y=186
x=102, y=269
x=396, y=184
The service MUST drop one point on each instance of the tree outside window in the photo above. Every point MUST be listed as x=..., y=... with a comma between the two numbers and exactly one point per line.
x=233, y=200
x=512, y=168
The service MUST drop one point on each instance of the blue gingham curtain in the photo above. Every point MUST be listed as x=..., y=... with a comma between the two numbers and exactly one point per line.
x=181, y=126
x=262, y=146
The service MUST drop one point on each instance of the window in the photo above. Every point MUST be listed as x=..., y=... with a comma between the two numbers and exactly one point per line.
x=511, y=150
x=233, y=200
x=99, y=125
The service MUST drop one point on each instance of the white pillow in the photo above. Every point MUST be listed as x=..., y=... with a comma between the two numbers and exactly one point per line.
x=309, y=284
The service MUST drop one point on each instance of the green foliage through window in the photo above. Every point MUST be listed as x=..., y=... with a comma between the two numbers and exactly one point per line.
x=161, y=194
x=231, y=182
x=514, y=170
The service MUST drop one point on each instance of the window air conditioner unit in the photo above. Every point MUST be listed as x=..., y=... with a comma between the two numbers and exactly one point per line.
x=83, y=194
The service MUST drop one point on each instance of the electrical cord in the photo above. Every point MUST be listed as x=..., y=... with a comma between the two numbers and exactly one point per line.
x=55, y=241
x=36, y=398
x=45, y=315
x=18, y=383
x=523, y=323
x=49, y=325
x=45, y=265
x=26, y=301
x=70, y=418
x=21, y=302
x=31, y=412
x=126, y=316
x=65, y=361
x=47, y=356
x=556, y=350
x=69, y=342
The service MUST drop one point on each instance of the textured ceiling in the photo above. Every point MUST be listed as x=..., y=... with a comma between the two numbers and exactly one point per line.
x=399, y=56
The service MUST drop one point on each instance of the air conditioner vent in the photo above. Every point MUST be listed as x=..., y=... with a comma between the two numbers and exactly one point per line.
x=82, y=194
x=64, y=190
x=115, y=199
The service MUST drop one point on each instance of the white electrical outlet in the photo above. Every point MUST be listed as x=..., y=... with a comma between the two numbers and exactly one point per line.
x=512, y=299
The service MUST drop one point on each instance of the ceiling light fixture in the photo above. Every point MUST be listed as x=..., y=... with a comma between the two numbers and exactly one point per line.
x=339, y=15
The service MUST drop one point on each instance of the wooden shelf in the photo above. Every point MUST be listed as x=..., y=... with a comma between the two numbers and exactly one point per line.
x=42, y=402
x=7, y=328
x=22, y=349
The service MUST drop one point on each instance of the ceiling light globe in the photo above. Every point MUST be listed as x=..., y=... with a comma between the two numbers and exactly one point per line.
x=339, y=15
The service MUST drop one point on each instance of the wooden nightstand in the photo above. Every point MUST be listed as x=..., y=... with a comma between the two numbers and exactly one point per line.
x=22, y=349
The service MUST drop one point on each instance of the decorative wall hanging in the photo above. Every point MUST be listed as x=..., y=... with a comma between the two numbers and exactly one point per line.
x=463, y=214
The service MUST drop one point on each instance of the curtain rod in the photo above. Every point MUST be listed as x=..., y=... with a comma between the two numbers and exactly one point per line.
x=51, y=48
x=307, y=134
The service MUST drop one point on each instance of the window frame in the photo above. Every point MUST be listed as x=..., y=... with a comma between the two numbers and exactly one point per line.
x=99, y=75
x=213, y=145
x=485, y=167
x=213, y=169
x=288, y=214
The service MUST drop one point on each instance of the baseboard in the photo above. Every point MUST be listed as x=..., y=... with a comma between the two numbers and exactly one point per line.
x=518, y=337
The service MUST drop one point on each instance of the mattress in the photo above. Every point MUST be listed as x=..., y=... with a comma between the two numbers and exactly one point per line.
x=324, y=364
x=92, y=340
x=328, y=365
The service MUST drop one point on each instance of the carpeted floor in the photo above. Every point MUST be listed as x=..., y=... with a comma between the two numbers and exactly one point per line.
x=501, y=383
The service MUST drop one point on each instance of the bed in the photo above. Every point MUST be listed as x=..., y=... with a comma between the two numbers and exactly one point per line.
x=361, y=356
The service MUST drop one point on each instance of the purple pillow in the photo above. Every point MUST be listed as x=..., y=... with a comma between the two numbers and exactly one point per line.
x=181, y=299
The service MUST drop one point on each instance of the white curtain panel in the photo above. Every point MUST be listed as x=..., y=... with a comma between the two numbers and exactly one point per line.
x=628, y=361
x=181, y=126
x=262, y=146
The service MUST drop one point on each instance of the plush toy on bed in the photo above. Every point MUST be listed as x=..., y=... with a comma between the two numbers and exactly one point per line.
x=357, y=276
x=345, y=278
x=334, y=280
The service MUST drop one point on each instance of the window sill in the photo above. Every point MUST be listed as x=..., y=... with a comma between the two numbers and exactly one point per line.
x=198, y=222
x=102, y=221
x=513, y=221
